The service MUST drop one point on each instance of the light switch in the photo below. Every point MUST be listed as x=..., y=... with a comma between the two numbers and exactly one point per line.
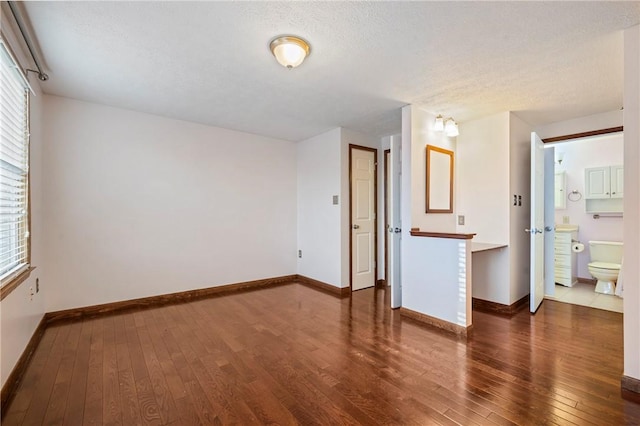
x=335, y=200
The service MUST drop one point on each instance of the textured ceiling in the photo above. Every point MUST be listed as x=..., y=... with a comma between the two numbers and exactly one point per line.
x=209, y=62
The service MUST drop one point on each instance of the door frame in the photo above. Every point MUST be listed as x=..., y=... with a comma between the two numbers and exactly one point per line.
x=556, y=141
x=385, y=179
x=375, y=211
x=536, y=224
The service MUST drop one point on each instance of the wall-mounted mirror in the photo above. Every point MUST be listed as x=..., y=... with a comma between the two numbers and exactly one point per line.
x=439, y=180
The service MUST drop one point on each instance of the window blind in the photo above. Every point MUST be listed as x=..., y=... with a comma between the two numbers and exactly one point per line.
x=14, y=168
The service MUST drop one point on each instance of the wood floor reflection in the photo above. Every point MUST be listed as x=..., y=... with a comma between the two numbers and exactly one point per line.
x=294, y=355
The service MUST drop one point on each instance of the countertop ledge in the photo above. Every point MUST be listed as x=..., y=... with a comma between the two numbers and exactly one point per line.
x=416, y=232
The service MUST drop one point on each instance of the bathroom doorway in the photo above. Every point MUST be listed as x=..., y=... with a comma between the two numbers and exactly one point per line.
x=581, y=218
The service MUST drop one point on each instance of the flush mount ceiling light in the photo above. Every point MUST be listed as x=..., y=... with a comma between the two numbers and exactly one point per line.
x=289, y=50
x=448, y=125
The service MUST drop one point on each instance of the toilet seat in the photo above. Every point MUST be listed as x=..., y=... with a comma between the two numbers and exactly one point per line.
x=605, y=265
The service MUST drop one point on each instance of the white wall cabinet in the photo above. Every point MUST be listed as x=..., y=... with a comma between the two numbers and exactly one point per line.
x=604, y=189
x=604, y=182
x=559, y=191
x=617, y=181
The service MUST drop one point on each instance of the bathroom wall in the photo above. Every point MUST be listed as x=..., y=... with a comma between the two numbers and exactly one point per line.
x=606, y=150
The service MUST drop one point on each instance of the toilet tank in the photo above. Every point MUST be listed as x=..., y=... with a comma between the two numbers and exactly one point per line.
x=605, y=251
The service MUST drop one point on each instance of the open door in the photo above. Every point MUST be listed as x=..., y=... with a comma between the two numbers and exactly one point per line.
x=549, y=221
x=536, y=229
x=394, y=228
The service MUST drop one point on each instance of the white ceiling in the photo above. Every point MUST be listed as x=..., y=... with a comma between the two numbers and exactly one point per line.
x=209, y=62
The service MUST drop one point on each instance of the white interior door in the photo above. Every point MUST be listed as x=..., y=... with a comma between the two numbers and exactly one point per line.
x=549, y=221
x=394, y=229
x=536, y=229
x=388, y=238
x=363, y=172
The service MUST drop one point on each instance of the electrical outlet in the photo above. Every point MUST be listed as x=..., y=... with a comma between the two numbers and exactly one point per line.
x=30, y=293
x=565, y=219
x=300, y=254
x=460, y=220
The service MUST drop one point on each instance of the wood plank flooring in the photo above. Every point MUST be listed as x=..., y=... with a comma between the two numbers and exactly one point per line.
x=294, y=355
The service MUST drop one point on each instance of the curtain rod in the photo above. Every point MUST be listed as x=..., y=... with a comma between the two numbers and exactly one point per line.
x=25, y=36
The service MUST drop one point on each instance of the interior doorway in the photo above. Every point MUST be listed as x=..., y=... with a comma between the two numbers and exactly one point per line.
x=576, y=215
x=363, y=204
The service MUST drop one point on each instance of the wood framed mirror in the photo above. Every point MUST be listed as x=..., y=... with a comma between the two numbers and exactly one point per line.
x=439, y=197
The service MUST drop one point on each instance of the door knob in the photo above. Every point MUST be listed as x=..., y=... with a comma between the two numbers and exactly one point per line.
x=356, y=226
x=397, y=230
x=534, y=231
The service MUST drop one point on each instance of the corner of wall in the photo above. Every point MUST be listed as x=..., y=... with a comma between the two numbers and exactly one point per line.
x=520, y=184
x=632, y=201
x=20, y=313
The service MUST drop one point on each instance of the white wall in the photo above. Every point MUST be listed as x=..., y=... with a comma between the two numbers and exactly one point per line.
x=606, y=150
x=632, y=202
x=482, y=172
x=493, y=165
x=490, y=276
x=139, y=205
x=19, y=314
x=355, y=138
x=422, y=134
x=435, y=272
x=319, y=221
x=599, y=121
x=520, y=216
x=323, y=228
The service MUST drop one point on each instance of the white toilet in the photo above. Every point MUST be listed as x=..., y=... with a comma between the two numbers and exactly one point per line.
x=606, y=257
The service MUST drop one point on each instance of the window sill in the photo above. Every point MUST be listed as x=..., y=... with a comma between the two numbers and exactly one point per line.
x=6, y=289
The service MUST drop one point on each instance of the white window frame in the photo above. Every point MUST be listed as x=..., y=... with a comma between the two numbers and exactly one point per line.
x=15, y=220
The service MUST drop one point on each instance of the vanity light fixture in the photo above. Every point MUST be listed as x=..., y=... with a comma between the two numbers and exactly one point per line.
x=439, y=124
x=289, y=50
x=448, y=125
x=451, y=127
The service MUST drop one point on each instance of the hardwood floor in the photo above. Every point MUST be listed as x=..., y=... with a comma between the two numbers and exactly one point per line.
x=294, y=355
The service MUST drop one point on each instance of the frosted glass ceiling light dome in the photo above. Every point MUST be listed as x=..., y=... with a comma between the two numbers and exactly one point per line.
x=289, y=51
